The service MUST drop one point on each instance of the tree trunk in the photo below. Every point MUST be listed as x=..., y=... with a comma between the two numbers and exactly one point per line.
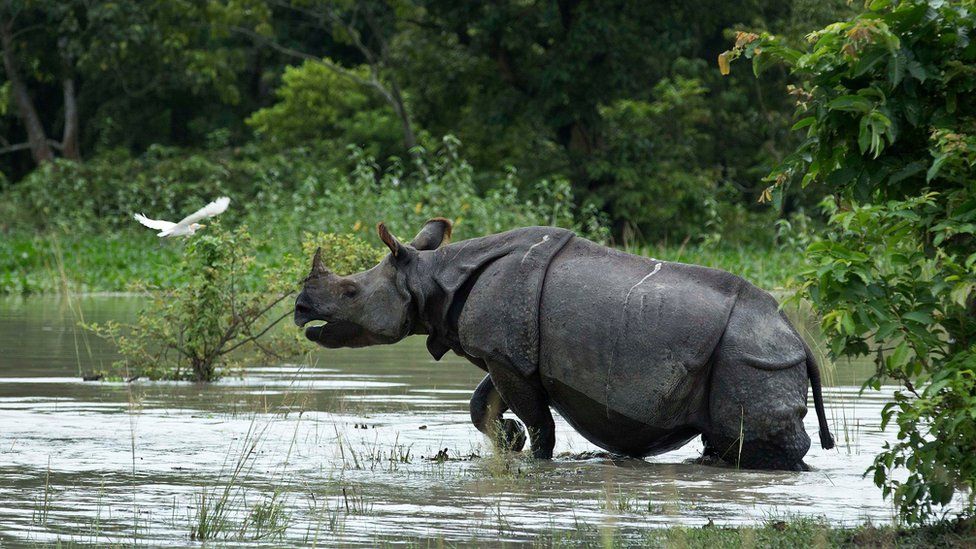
x=69, y=140
x=70, y=147
x=409, y=139
x=40, y=149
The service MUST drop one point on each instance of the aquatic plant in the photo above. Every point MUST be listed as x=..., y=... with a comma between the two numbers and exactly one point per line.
x=207, y=323
x=221, y=310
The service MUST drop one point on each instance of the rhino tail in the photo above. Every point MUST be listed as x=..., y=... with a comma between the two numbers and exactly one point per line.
x=813, y=371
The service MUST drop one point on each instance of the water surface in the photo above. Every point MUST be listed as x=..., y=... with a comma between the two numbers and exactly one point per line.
x=343, y=449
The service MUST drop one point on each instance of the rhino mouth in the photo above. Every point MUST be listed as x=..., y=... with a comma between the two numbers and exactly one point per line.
x=342, y=333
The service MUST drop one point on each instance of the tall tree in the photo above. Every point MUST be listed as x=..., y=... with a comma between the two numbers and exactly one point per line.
x=369, y=27
x=555, y=71
x=37, y=140
x=887, y=118
x=61, y=55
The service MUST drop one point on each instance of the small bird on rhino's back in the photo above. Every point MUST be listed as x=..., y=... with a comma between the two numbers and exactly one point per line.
x=189, y=224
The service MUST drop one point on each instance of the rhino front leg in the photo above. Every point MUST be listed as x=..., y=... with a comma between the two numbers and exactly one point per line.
x=487, y=407
x=526, y=397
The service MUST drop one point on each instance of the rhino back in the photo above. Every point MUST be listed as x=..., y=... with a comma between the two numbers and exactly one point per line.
x=633, y=336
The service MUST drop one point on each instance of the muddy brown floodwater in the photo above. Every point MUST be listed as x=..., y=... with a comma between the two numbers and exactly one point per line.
x=347, y=448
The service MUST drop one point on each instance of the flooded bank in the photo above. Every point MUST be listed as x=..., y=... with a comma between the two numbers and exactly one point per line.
x=349, y=447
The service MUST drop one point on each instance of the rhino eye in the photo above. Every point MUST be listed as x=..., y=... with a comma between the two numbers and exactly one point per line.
x=349, y=289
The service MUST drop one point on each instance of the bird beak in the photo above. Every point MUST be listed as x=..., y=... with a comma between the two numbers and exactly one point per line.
x=200, y=225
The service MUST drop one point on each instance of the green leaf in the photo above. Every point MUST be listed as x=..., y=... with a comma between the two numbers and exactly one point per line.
x=899, y=357
x=911, y=169
x=878, y=5
x=960, y=293
x=933, y=170
x=869, y=60
x=847, y=322
x=936, y=386
x=917, y=70
x=803, y=123
x=864, y=135
x=918, y=316
x=851, y=103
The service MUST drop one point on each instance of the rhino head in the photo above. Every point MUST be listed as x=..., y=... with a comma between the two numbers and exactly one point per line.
x=371, y=307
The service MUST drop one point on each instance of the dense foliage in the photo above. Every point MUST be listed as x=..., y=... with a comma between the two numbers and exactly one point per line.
x=294, y=189
x=192, y=329
x=83, y=210
x=888, y=111
x=317, y=105
x=615, y=98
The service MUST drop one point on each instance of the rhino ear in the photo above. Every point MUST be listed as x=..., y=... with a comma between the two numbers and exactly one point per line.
x=436, y=232
x=401, y=253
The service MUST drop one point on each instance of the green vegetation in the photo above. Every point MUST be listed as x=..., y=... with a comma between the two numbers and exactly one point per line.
x=78, y=214
x=133, y=260
x=887, y=111
x=191, y=330
x=317, y=105
x=220, y=310
x=778, y=533
x=619, y=101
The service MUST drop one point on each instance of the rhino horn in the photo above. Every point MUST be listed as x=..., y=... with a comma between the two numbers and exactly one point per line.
x=318, y=267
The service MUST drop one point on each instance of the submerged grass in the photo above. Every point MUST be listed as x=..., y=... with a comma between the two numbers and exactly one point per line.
x=788, y=532
x=244, y=505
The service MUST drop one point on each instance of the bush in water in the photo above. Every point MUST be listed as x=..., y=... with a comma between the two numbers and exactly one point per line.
x=223, y=311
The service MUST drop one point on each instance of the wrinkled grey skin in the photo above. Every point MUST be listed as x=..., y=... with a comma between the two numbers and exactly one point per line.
x=638, y=355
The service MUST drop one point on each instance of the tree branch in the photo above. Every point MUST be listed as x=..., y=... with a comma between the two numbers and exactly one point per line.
x=14, y=148
x=254, y=338
x=22, y=146
x=291, y=52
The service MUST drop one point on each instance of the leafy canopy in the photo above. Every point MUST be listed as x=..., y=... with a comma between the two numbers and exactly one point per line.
x=317, y=104
x=888, y=114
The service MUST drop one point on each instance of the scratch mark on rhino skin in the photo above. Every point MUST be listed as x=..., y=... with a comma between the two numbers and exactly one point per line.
x=545, y=238
x=459, y=250
x=643, y=280
x=622, y=327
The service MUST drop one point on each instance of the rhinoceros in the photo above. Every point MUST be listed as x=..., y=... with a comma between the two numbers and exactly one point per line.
x=639, y=355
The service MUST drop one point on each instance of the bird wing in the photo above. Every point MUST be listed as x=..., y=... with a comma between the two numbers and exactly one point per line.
x=157, y=224
x=216, y=207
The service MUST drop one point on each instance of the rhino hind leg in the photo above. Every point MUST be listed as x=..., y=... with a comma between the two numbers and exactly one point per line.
x=756, y=416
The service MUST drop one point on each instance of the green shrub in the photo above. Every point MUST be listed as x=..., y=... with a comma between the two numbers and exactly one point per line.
x=208, y=322
x=219, y=311
x=442, y=184
x=654, y=181
x=106, y=191
x=289, y=190
x=888, y=113
x=316, y=104
x=281, y=196
x=344, y=254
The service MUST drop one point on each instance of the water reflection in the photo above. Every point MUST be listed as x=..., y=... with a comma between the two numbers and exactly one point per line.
x=350, y=445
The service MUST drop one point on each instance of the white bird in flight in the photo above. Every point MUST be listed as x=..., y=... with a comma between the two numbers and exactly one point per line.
x=188, y=225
